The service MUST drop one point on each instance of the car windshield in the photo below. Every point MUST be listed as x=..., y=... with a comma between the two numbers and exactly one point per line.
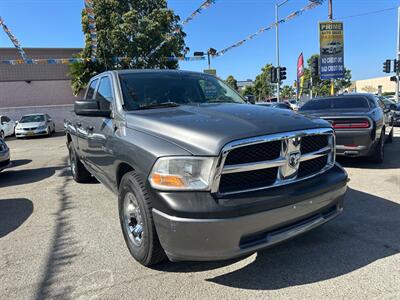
x=30, y=119
x=336, y=103
x=154, y=90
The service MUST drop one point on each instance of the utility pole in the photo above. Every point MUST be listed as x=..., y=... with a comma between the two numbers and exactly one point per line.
x=398, y=54
x=278, y=85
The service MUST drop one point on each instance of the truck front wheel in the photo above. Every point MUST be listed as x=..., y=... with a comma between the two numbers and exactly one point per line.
x=137, y=221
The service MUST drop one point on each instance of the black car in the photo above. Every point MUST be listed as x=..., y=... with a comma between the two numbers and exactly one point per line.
x=362, y=123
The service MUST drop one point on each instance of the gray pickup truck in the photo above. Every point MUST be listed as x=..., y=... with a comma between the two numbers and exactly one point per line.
x=200, y=173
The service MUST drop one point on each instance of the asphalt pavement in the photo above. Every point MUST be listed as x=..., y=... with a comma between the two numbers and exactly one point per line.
x=61, y=239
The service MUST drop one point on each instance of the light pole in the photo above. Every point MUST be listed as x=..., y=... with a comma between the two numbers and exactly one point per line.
x=278, y=85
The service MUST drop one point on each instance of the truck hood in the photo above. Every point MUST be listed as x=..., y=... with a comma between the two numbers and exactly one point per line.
x=204, y=129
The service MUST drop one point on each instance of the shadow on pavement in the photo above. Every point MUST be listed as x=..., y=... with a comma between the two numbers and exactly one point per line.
x=18, y=177
x=63, y=250
x=368, y=230
x=13, y=213
x=20, y=162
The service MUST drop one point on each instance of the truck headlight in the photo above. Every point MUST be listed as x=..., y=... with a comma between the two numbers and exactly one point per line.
x=182, y=173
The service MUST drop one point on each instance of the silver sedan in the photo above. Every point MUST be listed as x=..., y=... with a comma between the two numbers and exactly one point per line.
x=35, y=125
x=4, y=155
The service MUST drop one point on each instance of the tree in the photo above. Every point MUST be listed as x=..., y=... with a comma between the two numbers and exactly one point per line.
x=263, y=87
x=287, y=92
x=231, y=81
x=130, y=29
x=248, y=90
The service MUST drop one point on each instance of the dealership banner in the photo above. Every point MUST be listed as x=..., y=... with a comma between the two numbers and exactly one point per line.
x=300, y=74
x=331, y=50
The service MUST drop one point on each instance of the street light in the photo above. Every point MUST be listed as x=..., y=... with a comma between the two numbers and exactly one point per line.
x=277, y=6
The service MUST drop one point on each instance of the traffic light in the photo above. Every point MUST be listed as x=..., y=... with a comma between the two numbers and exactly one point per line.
x=282, y=73
x=315, y=67
x=386, y=66
x=273, y=74
x=396, y=66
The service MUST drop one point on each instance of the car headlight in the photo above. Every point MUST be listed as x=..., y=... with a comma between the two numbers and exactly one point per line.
x=183, y=173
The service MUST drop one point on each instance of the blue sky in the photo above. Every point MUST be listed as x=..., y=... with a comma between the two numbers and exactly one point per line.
x=369, y=40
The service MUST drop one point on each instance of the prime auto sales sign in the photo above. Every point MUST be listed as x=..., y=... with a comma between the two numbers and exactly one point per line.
x=331, y=50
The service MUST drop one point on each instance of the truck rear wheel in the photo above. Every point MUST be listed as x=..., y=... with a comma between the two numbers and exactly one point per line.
x=137, y=221
x=79, y=172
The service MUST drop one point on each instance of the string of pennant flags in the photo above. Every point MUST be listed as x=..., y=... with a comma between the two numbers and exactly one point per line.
x=66, y=61
x=206, y=4
x=14, y=40
x=93, y=38
x=293, y=15
x=92, y=27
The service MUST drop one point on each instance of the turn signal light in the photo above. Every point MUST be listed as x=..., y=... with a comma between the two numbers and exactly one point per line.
x=168, y=180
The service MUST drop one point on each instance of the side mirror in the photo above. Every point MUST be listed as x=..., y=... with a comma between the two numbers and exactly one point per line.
x=90, y=108
x=16, y=122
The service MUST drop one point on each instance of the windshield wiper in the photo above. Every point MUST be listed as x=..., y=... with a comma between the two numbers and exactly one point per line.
x=159, y=105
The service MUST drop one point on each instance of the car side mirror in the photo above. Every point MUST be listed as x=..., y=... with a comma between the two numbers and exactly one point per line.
x=91, y=108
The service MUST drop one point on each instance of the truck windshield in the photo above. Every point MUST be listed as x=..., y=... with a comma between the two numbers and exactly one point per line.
x=336, y=103
x=158, y=89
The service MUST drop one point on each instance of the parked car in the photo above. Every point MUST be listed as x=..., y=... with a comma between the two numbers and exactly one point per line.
x=4, y=155
x=7, y=126
x=35, y=125
x=394, y=110
x=294, y=104
x=361, y=121
x=200, y=174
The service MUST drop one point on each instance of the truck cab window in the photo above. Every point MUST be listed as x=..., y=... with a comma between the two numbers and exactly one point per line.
x=91, y=90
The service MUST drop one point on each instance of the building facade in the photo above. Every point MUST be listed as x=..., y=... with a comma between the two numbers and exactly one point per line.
x=29, y=88
x=374, y=85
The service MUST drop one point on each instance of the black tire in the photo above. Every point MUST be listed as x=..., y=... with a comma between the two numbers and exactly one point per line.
x=78, y=170
x=143, y=243
x=389, y=139
x=378, y=155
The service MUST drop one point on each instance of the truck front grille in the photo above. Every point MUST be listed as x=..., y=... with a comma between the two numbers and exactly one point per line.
x=270, y=161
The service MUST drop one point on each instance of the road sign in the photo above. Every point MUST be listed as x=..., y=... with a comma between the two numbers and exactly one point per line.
x=331, y=50
x=211, y=71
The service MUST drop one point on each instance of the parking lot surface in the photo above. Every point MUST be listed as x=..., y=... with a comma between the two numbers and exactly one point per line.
x=60, y=239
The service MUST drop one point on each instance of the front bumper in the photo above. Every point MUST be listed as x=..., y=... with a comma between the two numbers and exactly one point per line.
x=28, y=133
x=354, y=142
x=4, y=159
x=217, y=238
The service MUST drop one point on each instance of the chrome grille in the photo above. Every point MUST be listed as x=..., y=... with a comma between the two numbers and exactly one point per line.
x=257, y=164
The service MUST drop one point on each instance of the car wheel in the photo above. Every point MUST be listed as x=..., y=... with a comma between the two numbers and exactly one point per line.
x=78, y=170
x=390, y=137
x=379, y=151
x=137, y=221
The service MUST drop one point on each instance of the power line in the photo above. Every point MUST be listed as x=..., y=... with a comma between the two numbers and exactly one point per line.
x=367, y=13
